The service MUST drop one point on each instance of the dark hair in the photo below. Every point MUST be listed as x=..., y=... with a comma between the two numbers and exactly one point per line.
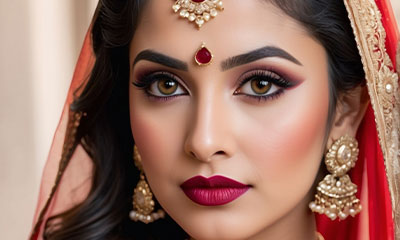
x=106, y=135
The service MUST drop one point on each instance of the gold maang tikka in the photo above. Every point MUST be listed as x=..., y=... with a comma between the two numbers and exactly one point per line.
x=198, y=11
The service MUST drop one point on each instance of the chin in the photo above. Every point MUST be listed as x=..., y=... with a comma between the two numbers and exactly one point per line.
x=224, y=234
x=222, y=227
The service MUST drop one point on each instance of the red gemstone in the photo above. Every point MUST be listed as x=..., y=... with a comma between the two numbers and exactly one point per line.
x=198, y=1
x=203, y=56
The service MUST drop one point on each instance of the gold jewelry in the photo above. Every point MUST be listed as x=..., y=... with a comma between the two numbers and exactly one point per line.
x=203, y=56
x=319, y=236
x=143, y=203
x=336, y=193
x=198, y=11
x=398, y=58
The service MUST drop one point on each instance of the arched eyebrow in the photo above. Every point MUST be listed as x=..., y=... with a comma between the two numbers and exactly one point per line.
x=264, y=52
x=162, y=59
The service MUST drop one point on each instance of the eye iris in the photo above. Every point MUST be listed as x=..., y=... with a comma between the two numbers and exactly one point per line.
x=260, y=86
x=167, y=86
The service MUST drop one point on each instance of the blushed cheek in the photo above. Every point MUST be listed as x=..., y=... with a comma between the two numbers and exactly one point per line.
x=158, y=135
x=150, y=139
x=292, y=140
x=302, y=137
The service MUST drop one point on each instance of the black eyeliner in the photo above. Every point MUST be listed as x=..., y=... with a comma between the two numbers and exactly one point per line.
x=145, y=81
x=268, y=76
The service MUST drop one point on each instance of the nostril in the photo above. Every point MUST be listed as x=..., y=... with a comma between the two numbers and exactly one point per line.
x=194, y=155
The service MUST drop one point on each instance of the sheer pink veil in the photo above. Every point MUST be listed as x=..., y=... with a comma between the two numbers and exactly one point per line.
x=66, y=179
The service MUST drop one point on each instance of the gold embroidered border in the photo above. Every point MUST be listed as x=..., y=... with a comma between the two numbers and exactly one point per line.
x=398, y=59
x=383, y=88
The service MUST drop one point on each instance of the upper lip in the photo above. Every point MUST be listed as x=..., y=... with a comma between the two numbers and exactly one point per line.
x=212, y=182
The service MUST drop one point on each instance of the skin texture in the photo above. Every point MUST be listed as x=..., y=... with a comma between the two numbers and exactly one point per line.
x=276, y=146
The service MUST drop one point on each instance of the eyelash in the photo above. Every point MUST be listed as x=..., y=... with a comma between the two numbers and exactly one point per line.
x=147, y=80
x=144, y=82
x=268, y=76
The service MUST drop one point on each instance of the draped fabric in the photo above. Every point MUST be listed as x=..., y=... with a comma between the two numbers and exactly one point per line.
x=68, y=182
x=75, y=183
x=376, y=203
x=376, y=220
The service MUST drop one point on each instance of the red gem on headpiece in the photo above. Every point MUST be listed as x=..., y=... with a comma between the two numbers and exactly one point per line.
x=198, y=1
x=203, y=56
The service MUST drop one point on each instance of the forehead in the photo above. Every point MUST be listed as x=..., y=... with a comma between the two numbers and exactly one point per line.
x=243, y=26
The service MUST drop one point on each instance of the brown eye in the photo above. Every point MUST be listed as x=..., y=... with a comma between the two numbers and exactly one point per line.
x=167, y=86
x=164, y=85
x=260, y=86
x=261, y=83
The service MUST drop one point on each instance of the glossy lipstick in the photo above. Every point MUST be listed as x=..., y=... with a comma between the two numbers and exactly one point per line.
x=213, y=191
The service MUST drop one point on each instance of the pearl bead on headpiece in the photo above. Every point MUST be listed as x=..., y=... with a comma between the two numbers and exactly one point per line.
x=198, y=11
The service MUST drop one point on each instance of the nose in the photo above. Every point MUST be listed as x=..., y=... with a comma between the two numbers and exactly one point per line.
x=210, y=132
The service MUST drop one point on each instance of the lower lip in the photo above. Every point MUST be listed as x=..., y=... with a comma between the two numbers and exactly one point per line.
x=214, y=196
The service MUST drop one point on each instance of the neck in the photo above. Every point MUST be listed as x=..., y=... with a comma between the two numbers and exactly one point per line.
x=298, y=224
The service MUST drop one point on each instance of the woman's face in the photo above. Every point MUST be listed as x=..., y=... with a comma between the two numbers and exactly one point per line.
x=258, y=120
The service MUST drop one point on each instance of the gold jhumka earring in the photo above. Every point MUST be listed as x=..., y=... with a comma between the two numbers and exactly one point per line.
x=336, y=193
x=143, y=203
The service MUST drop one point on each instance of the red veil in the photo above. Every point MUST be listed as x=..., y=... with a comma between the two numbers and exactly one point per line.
x=67, y=174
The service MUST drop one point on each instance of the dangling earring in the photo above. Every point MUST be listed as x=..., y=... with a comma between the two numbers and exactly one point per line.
x=336, y=193
x=143, y=203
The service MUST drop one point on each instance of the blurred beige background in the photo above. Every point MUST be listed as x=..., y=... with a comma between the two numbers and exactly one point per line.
x=39, y=45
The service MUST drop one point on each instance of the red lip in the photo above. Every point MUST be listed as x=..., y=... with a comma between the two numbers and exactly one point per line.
x=213, y=191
